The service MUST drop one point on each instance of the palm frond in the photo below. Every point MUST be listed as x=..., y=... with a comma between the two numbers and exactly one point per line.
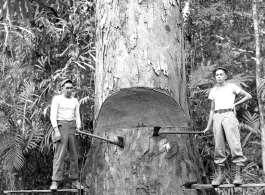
x=3, y=125
x=10, y=179
x=252, y=120
x=46, y=141
x=14, y=159
x=79, y=64
x=34, y=137
x=255, y=142
x=261, y=85
x=27, y=94
x=246, y=140
x=18, y=6
x=249, y=172
x=201, y=76
x=6, y=143
x=241, y=79
x=200, y=91
x=45, y=82
x=18, y=111
x=201, y=80
x=248, y=127
x=5, y=107
x=5, y=71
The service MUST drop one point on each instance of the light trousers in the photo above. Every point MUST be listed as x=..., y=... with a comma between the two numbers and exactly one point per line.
x=225, y=127
x=68, y=141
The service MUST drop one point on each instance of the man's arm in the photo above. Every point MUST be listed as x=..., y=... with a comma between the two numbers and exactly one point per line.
x=53, y=114
x=77, y=117
x=246, y=97
x=210, y=120
x=53, y=117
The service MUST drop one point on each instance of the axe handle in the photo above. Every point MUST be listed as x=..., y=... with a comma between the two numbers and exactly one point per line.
x=119, y=143
x=180, y=132
x=92, y=135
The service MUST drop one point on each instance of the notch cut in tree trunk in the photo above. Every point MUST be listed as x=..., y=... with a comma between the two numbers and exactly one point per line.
x=138, y=107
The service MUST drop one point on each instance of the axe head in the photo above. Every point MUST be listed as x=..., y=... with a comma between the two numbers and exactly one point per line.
x=188, y=184
x=156, y=131
x=121, y=142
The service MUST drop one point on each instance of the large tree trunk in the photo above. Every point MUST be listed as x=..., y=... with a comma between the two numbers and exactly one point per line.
x=258, y=77
x=140, y=44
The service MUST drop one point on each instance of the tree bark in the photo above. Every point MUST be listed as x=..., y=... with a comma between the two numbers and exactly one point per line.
x=258, y=77
x=140, y=44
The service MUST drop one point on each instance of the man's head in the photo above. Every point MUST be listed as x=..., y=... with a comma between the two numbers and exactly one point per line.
x=220, y=74
x=67, y=87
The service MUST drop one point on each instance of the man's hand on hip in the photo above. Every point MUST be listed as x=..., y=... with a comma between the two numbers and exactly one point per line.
x=234, y=109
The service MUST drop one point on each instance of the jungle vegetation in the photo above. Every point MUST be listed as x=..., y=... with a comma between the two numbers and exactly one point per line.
x=42, y=42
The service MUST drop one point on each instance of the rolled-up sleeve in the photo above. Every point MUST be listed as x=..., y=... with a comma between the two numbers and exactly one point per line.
x=236, y=89
x=211, y=94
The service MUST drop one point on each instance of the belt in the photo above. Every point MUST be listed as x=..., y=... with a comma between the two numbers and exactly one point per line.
x=65, y=121
x=223, y=110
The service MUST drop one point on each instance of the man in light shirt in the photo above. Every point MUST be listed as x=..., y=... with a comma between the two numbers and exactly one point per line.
x=225, y=124
x=65, y=119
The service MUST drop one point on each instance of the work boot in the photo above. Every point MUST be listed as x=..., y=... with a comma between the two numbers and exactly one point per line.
x=76, y=184
x=238, y=177
x=54, y=186
x=219, y=178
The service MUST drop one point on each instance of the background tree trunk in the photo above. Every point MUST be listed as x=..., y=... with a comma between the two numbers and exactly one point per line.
x=140, y=44
x=258, y=77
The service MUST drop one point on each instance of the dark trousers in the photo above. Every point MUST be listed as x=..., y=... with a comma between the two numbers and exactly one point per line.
x=67, y=130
